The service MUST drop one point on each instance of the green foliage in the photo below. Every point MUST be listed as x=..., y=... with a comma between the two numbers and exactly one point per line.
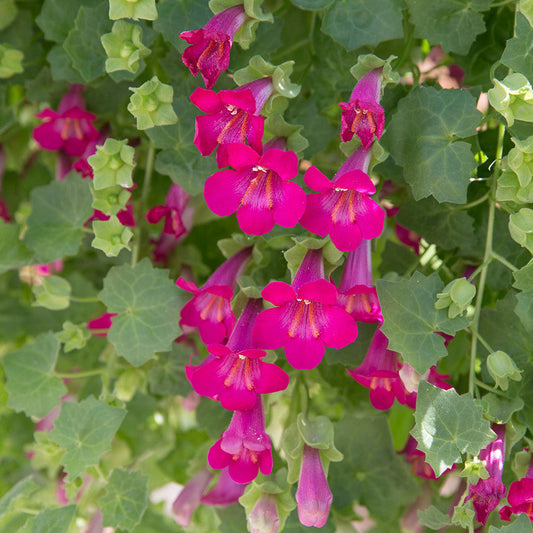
x=517, y=55
x=433, y=518
x=447, y=426
x=53, y=293
x=142, y=296
x=521, y=525
x=411, y=320
x=31, y=384
x=84, y=431
x=422, y=138
x=59, y=211
x=134, y=9
x=125, y=500
x=13, y=253
x=52, y=520
x=74, y=336
x=112, y=164
x=10, y=61
x=111, y=236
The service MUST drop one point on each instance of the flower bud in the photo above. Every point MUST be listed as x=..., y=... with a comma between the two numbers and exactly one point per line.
x=132, y=9
x=75, y=336
x=513, y=98
x=111, y=236
x=456, y=296
x=502, y=368
x=110, y=200
x=112, y=164
x=264, y=517
x=521, y=228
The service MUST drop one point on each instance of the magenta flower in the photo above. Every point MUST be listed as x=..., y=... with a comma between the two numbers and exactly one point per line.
x=411, y=379
x=100, y=325
x=363, y=115
x=4, y=212
x=356, y=293
x=211, y=45
x=210, y=308
x=417, y=460
x=232, y=117
x=244, y=447
x=379, y=373
x=178, y=217
x=408, y=237
x=264, y=517
x=70, y=128
x=306, y=317
x=258, y=189
x=313, y=495
x=189, y=498
x=342, y=208
x=81, y=165
x=487, y=493
x=520, y=497
x=226, y=491
x=125, y=216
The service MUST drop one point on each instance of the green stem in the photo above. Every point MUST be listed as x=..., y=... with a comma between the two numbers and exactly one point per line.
x=481, y=340
x=87, y=230
x=480, y=200
x=486, y=257
x=408, y=45
x=504, y=261
x=77, y=375
x=480, y=383
x=89, y=299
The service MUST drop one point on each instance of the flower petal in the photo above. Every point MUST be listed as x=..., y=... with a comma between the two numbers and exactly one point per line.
x=223, y=192
x=340, y=328
x=268, y=331
x=304, y=354
x=317, y=181
x=278, y=293
x=283, y=162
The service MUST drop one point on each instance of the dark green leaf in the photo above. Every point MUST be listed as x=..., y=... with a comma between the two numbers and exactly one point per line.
x=148, y=304
x=453, y=24
x=52, y=520
x=167, y=377
x=410, y=319
x=31, y=384
x=521, y=525
x=517, y=54
x=354, y=23
x=61, y=66
x=371, y=473
x=13, y=253
x=126, y=499
x=213, y=418
x=524, y=278
x=448, y=425
x=433, y=518
x=313, y=5
x=524, y=309
x=500, y=409
x=59, y=211
x=422, y=137
x=396, y=258
x=84, y=430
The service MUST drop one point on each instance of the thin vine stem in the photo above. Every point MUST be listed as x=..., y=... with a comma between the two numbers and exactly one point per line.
x=88, y=299
x=78, y=375
x=481, y=340
x=504, y=261
x=473, y=203
x=486, y=257
x=482, y=385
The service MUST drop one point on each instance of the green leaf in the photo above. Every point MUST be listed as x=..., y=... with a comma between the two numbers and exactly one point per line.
x=147, y=304
x=138, y=9
x=524, y=278
x=410, y=319
x=439, y=224
x=84, y=430
x=8, y=12
x=83, y=41
x=517, y=53
x=53, y=293
x=500, y=409
x=56, y=16
x=355, y=23
x=13, y=253
x=524, y=309
x=167, y=377
x=126, y=499
x=21, y=490
x=312, y=5
x=52, y=520
x=453, y=24
x=61, y=66
x=372, y=473
x=433, y=518
x=31, y=384
x=58, y=212
x=448, y=425
x=422, y=137
x=521, y=525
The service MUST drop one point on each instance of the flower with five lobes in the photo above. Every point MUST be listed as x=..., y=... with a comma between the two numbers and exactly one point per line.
x=342, y=208
x=210, y=308
x=520, y=497
x=259, y=189
x=211, y=45
x=235, y=374
x=232, y=117
x=363, y=115
x=244, y=447
x=306, y=317
x=70, y=128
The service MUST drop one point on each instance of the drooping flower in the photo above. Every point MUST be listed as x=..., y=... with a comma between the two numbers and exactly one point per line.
x=189, y=498
x=356, y=293
x=313, y=495
x=100, y=325
x=306, y=317
x=363, y=115
x=487, y=493
x=235, y=374
x=343, y=208
x=211, y=45
x=380, y=373
x=417, y=460
x=264, y=517
x=259, y=189
x=34, y=274
x=232, y=117
x=244, y=447
x=81, y=165
x=411, y=379
x=70, y=128
x=225, y=492
x=210, y=308
x=520, y=497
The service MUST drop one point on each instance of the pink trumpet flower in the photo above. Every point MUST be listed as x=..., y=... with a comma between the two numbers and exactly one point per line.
x=306, y=317
x=210, y=46
x=235, y=374
x=232, y=117
x=363, y=115
x=70, y=128
x=226, y=491
x=258, y=189
x=189, y=498
x=343, y=208
x=520, y=497
x=210, y=309
x=244, y=447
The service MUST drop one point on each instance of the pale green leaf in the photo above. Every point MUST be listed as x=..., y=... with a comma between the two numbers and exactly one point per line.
x=147, y=303
x=411, y=320
x=433, y=518
x=521, y=525
x=13, y=253
x=52, y=520
x=524, y=278
x=84, y=430
x=31, y=384
x=423, y=135
x=517, y=54
x=448, y=425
